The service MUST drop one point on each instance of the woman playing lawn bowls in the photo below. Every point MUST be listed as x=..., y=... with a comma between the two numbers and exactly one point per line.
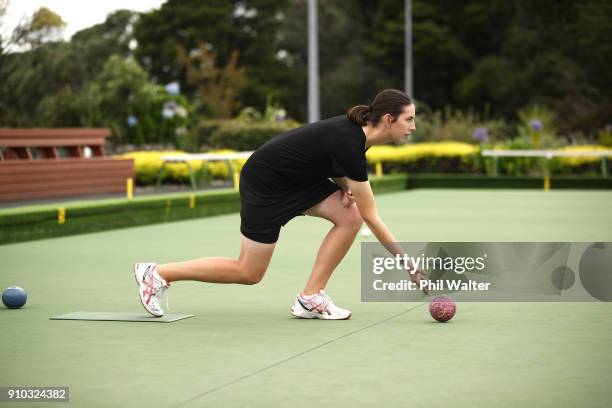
x=289, y=176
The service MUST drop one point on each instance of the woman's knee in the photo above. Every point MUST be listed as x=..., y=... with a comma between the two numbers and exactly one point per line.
x=350, y=219
x=254, y=260
x=252, y=275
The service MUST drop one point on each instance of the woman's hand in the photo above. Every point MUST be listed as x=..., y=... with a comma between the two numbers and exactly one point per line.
x=347, y=198
x=417, y=277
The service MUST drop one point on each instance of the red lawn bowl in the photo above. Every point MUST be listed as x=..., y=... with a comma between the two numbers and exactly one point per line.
x=442, y=308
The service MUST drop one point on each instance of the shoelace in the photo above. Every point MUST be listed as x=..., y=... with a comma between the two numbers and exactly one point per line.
x=330, y=305
x=161, y=292
x=323, y=305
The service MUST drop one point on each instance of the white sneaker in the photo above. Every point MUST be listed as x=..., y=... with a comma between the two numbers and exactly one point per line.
x=318, y=307
x=151, y=287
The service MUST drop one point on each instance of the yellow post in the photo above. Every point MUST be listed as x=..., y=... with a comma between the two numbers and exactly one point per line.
x=236, y=180
x=130, y=189
x=379, y=169
x=192, y=200
x=61, y=215
x=547, y=174
x=535, y=139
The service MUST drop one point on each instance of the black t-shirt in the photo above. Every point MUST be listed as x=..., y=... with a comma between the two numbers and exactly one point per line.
x=332, y=147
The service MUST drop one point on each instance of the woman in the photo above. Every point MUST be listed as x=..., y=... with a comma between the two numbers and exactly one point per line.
x=290, y=176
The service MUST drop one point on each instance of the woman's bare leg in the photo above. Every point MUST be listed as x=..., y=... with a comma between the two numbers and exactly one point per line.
x=347, y=222
x=248, y=269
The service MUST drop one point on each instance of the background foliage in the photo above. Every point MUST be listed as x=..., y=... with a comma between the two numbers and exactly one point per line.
x=486, y=59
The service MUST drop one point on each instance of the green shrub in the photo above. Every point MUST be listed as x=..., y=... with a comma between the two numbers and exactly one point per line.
x=456, y=157
x=200, y=134
x=605, y=136
x=581, y=165
x=246, y=136
x=454, y=125
x=442, y=157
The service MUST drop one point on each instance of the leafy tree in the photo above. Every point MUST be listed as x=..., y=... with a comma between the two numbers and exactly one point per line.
x=58, y=70
x=3, y=7
x=43, y=26
x=217, y=88
x=490, y=55
x=346, y=75
x=505, y=55
x=248, y=27
x=93, y=46
x=136, y=110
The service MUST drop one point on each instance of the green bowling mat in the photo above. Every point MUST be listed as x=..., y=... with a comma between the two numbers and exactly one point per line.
x=122, y=317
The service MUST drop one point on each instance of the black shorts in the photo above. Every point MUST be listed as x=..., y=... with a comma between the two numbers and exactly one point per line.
x=263, y=214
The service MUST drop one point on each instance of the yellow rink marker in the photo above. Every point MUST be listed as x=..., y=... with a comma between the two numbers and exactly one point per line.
x=192, y=200
x=236, y=180
x=61, y=215
x=130, y=189
x=379, y=169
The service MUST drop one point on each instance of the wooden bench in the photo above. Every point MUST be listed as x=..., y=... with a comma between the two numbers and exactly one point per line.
x=58, y=163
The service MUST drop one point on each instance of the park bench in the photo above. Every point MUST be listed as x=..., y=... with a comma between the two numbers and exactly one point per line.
x=58, y=163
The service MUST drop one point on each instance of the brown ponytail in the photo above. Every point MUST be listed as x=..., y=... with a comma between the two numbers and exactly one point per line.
x=357, y=114
x=390, y=101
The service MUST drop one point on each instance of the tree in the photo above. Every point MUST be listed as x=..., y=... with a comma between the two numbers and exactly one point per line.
x=347, y=77
x=491, y=55
x=217, y=89
x=3, y=6
x=505, y=55
x=246, y=27
x=94, y=45
x=43, y=26
x=552, y=54
x=123, y=90
x=59, y=70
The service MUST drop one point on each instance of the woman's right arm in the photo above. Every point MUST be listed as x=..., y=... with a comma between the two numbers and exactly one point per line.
x=364, y=199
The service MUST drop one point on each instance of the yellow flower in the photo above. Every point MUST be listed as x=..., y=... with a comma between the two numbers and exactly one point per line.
x=148, y=164
x=413, y=152
x=580, y=160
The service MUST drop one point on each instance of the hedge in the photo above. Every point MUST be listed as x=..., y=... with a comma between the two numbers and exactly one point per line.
x=147, y=166
x=444, y=157
x=41, y=224
x=457, y=157
x=237, y=135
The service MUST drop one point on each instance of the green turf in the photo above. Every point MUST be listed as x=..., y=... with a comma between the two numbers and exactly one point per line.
x=243, y=349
